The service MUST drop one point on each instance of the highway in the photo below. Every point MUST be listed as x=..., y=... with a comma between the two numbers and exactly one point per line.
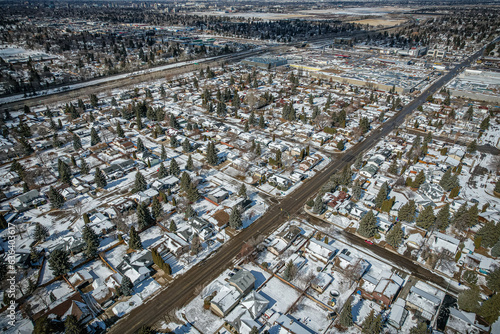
x=182, y=289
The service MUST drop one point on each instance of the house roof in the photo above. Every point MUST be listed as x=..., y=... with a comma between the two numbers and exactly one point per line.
x=243, y=279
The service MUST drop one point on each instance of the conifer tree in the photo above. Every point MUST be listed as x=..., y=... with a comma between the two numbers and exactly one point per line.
x=368, y=323
x=211, y=154
x=174, y=168
x=162, y=171
x=243, y=191
x=56, y=199
x=368, y=225
x=73, y=326
x=346, y=315
x=41, y=232
x=126, y=286
x=468, y=300
x=356, y=190
x=99, y=178
x=163, y=155
x=189, y=164
x=140, y=183
x=119, y=131
x=91, y=241
x=140, y=145
x=94, y=137
x=235, y=218
x=426, y=218
x=407, y=211
x=77, y=143
x=393, y=168
x=84, y=167
x=443, y=218
x=190, y=212
x=64, y=172
x=192, y=193
x=86, y=218
x=144, y=216
x=491, y=308
x=157, y=208
x=318, y=204
x=59, y=262
x=395, y=235
x=172, y=227
x=134, y=239
x=382, y=195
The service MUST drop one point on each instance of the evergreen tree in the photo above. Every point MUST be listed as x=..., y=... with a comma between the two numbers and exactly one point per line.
x=162, y=171
x=94, y=137
x=27, y=149
x=77, y=143
x=163, y=155
x=472, y=146
x=246, y=128
x=368, y=225
x=443, y=218
x=491, y=309
x=59, y=262
x=346, y=315
x=407, y=211
x=419, y=179
x=262, y=123
x=356, y=190
x=144, y=216
x=468, y=300
x=235, y=218
x=185, y=181
x=395, y=235
x=368, y=323
x=186, y=146
x=497, y=186
x=420, y=328
x=495, y=250
x=290, y=271
x=140, y=145
x=426, y=218
x=212, y=154
x=174, y=168
x=73, y=326
x=3, y=222
x=41, y=232
x=86, y=219
x=485, y=124
x=134, y=239
x=243, y=191
x=56, y=199
x=140, y=183
x=126, y=286
x=119, y=131
x=172, y=227
x=91, y=241
x=393, y=168
x=190, y=212
x=189, y=164
x=84, y=167
x=157, y=208
x=192, y=193
x=99, y=178
x=64, y=172
x=382, y=195
x=318, y=204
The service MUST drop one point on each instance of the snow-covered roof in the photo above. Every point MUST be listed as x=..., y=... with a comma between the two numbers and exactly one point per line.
x=255, y=303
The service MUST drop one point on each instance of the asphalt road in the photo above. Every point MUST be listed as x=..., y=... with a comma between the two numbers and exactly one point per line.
x=182, y=290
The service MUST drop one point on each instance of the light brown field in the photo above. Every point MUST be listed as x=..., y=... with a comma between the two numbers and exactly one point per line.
x=380, y=22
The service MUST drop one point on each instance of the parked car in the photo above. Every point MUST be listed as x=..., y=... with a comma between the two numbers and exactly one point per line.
x=369, y=242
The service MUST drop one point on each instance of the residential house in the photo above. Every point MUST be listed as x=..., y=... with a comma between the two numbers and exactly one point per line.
x=217, y=195
x=464, y=323
x=321, y=282
x=382, y=291
x=320, y=250
x=226, y=299
x=25, y=201
x=279, y=181
x=310, y=162
x=424, y=302
x=136, y=266
x=443, y=241
x=293, y=326
x=398, y=314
